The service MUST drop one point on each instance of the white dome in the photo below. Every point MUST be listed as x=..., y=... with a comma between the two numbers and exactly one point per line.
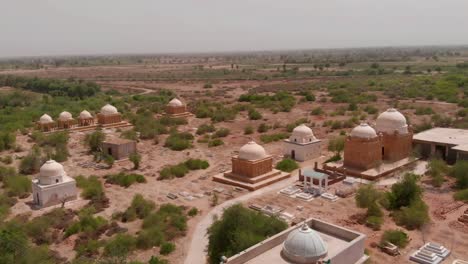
x=363, y=131
x=391, y=121
x=45, y=118
x=108, y=110
x=85, y=114
x=175, y=103
x=252, y=151
x=302, y=131
x=304, y=245
x=65, y=116
x=51, y=168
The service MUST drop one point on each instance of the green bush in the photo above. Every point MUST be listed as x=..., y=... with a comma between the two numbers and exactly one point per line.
x=273, y=137
x=31, y=163
x=17, y=185
x=197, y=164
x=396, y=237
x=414, y=216
x=287, y=165
x=166, y=248
x=7, y=140
x=374, y=222
x=157, y=260
x=129, y=134
x=179, y=141
x=262, y=128
x=124, y=180
x=193, y=211
x=334, y=158
x=248, y=130
x=461, y=195
x=437, y=169
x=136, y=159
x=336, y=144
x=460, y=172
x=94, y=140
x=92, y=190
x=254, y=114
x=88, y=224
x=317, y=111
x=222, y=132
x=279, y=102
x=205, y=128
x=243, y=228
x=215, y=142
x=88, y=248
x=404, y=192
x=120, y=246
x=181, y=169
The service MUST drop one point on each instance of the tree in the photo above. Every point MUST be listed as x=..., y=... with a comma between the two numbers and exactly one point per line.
x=336, y=144
x=238, y=229
x=367, y=195
x=404, y=192
x=436, y=169
x=460, y=172
x=396, y=237
x=94, y=140
x=136, y=159
x=287, y=165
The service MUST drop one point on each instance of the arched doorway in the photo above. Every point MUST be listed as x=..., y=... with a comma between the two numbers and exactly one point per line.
x=293, y=154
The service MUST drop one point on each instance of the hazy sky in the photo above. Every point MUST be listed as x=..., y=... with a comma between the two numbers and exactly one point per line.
x=62, y=27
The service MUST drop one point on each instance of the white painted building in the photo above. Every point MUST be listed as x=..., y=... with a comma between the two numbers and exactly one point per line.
x=302, y=145
x=53, y=186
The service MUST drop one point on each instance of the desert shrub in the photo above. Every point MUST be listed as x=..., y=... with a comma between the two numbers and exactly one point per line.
x=196, y=164
x=32, y=162
x=396, y=237
x=136, y=159
x=404, y=192
x=179, y=141
x=205, y=128
x=7, y=140
x=262, y=128
x=424, y=111
x=165, y=224
x=166, y=248
x=92, y=190
x=94, y=140
x=7, y=159
x=207, y=85
x=374, y=222
x=108, y=159
x=308, y=96
x=460, y=172
x=40, y=228
x=287, y=165
x=317, y=111
x=461, y=195
x=88, y=248
x=238, y=229
x=367, y=195
x=148, y=126
x=436, y=170
x=5, y=204
x=222, y=132
x=218, y=112
x=87, y=224
x=17, y=185
x=248, y=130
x=129, y=134
x=193, y=211
x=273, y=137
x=335, y=157
x=215, y=142
x=120, y=246
x=124, y=180
x=181, y=169
x=336, y=144
x=279, y=102
x=413, y=216
x=371, y=110
x=254, y=114
x=157, y=260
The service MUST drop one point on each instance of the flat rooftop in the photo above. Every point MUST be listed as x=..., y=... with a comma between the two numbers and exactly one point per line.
x=442, y=135
x=335, y=246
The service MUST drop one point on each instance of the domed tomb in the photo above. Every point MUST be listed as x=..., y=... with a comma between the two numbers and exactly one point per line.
x=175, y=103
x=109, y=115
x=252, y=151
x=65, y=116
x=304, y=245
x=109, y=110
x=302, y=144
x=51, y=172
x=176, y=108
x=45, y=118
x=85, y=118
x=45, y=123
x=85, y=114
x=363, y=131
x=391, y=121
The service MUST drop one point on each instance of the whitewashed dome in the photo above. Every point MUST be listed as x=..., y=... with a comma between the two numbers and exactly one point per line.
x=391, y=121
x=45, y=118
x=363, y=131
x=252, y=151
x=175, y=103
x=65, y=116
x=85, y=114
x=51, y=172
x=304, y=245
x=302, y=131
x=108, y=110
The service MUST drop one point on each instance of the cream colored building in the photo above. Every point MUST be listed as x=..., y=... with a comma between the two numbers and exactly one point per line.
x=302, y=145
x=53, y=186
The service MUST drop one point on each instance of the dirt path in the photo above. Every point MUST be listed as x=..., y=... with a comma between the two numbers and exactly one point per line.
x=196, y=251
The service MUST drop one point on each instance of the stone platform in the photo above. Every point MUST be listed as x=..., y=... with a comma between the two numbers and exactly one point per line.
x=371, y=174
x=251, y=184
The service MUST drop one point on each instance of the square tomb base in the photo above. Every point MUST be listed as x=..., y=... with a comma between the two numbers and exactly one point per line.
x=251, y=184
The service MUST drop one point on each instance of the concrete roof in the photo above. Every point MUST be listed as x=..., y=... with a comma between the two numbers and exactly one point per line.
x=442, y=135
